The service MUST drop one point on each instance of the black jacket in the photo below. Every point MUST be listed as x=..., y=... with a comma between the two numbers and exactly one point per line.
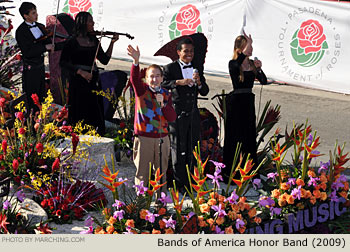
x=184, y=97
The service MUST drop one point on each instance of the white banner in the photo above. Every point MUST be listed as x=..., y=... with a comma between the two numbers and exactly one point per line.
x=299, y=41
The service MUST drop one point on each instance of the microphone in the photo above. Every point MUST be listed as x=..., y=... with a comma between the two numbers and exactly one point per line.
x=157, y=89
x=195, y=71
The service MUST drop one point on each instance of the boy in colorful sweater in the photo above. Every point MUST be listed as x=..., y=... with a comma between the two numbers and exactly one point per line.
x=153, y=111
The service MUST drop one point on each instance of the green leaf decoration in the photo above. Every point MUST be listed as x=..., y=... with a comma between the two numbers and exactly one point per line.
x=65, y=9
x=295, y=34
x=172, y=26
x=174, y=17
x=199, y=28
x=294, y=43
x=301, y=51
x=178, y=33
x=324, y=45
x=90, y=11
x=171, y=34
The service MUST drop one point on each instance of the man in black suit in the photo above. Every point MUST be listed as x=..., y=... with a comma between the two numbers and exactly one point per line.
x=185, y=84
x=27, y=35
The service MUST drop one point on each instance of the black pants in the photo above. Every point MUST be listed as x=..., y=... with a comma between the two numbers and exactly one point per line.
x=33, y=82
x=184, y=136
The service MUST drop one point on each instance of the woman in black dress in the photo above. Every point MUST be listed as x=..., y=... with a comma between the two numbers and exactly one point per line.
x=240, y=108
x=78, y=58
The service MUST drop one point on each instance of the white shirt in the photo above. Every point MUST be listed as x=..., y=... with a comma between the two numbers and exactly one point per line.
x=35, y=30
x=187, y=73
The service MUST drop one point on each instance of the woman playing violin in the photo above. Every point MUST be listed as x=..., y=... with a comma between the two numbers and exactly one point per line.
x=78, y=58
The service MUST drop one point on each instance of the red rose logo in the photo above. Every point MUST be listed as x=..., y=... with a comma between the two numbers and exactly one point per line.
x=311, y=36
x=73, y=7
x=187, y=19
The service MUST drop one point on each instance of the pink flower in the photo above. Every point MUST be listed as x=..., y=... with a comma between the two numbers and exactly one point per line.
x=76, y=6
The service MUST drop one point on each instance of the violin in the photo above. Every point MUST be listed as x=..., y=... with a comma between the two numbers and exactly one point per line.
x=49, y=34
x=109, y=33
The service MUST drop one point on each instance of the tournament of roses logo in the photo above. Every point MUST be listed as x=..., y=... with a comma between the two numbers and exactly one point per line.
x=185, y=22
x=308, y=43
x=73, y=7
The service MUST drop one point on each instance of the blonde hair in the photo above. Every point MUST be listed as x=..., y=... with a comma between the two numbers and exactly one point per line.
x=240, y=44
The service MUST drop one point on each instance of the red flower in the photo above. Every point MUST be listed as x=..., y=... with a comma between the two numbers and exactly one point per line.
x=1, y=157
x=66, y=129
x=44, y=203
x=44, y=229
x=187, y=20
x=2, y=102
x=35, y=98
x=15, y=165
x=17, y=180
x=75, y=141
x=58, y=212
x=311, y=36
x=76, y=6
x=4, y=146
x=21, y=131
x=3, y=222
x=66, y=217
x=122, y=124
x=39, y=147
x=56, y=165
x=20, y=116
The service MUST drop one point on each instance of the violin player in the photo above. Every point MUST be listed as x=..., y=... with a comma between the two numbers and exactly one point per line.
x=33, y=42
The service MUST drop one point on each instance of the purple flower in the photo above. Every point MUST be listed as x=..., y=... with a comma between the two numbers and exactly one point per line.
x=233, y=198
x=324, y=166
x=272, y=175
x=118, y=204
x=151, y=217
x=164, y=199
x=218, y=164
x=170, y=223
x=266, y=201
x=119, y=214
x=215, y=178
x=6, y=205
x=239, y=223
x=88, y=221
x=140, y=189
x=342, y=178
x=128, y=153
x=20, y=195
x=128, y=229
x=313, y=181
x=219, y=212
x=309, y=139
x=190, y=215
x=256, y=183
x=291, y=181
x=89, y=231
x=275, y=210
x=43, y=136
x=336, y=185
x=26, y=155
x=296, y=193
x=218, y=230
x=334, y=196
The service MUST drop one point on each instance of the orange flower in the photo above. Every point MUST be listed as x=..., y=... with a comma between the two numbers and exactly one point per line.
x=214, y=195
x=220, y=220
x=275, y=193
x=162, y=211
x=169, y=231
x=311, y=173
x=323, y=186
x=317, y=194
x=300, y=182
x=130, y=223
x=312, y=200
x=308, y=194
x=201, y=201
x=235, y=208
x=155, y=231
x=284, y=196
x=285, y=186
x=202, y=223
x=110, y=229
x=229, y=230
x=344, y=194
x=282, y=202
x=204, y=208
x=161, y=224
x=290, y=200
x=210, y=221
x=200, y=218
x=323, y=178
x=346, y=186
x=143, y=214
x=323, y=196
x=257, y=220
x=252, y=212
x=302, y=192
x=284, y=174
x=112, y=220
x=98, y=229
x=242, y=229
x=106, y=211
x=212, y=202
x=221, y=198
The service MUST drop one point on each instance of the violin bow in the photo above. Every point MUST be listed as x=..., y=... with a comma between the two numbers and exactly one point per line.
x=55, y=26
x=98, y=47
